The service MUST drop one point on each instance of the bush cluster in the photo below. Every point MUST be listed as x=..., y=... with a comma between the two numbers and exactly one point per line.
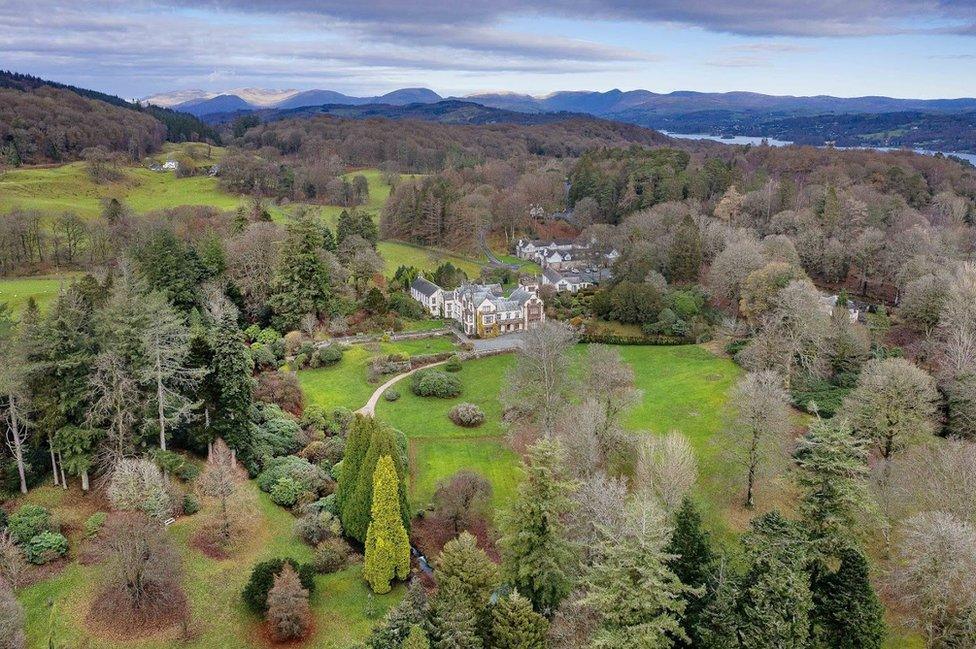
x=434, y=383
x=29, y=521
x=391, y=394
x=331, y=556
x=315, y=527
x=46, y=546
x=467, y=414
x=453, y=364
x=262, y=579
x=94, y=523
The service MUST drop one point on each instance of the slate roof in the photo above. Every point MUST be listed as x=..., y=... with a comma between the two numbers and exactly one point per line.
x=424, y=287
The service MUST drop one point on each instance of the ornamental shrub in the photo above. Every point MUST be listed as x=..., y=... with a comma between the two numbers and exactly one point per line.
x=29, y=521
x=308, y=476
x=453, y=364
x=313, y=528
x=285, y=492
x=46, y=546
x=263, y=357
x=190, y=504
x=434, y=383
x=467, y=414
x=94, y=524
x=331, y=556
x=267, y=336
x=391, y=394
x=255, y=593
x=329, y=355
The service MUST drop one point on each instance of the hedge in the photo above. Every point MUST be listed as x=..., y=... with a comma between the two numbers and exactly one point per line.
x=614, y=339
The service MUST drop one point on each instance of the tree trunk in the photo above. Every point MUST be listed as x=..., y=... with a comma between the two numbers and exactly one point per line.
x=753, y=462
x=18, y=448
x=64, y=480
x=84, y=479
x=160, y=394
x=54, y=463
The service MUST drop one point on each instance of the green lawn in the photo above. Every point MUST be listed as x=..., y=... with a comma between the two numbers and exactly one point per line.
x=16, y=291
x=344, y=384
x=397, y=253
x=213, y=588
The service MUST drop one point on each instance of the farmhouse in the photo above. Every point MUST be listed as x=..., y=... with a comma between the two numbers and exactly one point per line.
x=574, y=280
x=482, y=310
x=562, y=253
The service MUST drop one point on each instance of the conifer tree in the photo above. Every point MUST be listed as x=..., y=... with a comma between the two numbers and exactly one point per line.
x=301, y=285
x=846, y=611
x=387, y=554
x=637, y=598
x=514, y=625
x=357, y=443
x=232, y=375
x=416, y=639
x=693, y=564
x=357, y=507
x=288, y=610
x=409, y=612
x=536, y=551
x=831, y=474
x=686, y=252
x=452, y=623
x=463, y=561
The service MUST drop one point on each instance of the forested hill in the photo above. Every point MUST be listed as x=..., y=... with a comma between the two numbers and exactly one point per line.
x=45, y=121
x=450, y=111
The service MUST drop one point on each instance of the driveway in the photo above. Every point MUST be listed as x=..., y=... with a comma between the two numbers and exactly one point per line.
x=508, y=341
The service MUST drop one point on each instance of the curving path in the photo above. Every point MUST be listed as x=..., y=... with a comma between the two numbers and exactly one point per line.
x=370, y=407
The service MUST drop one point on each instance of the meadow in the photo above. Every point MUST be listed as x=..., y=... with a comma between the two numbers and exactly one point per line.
x=16, y=291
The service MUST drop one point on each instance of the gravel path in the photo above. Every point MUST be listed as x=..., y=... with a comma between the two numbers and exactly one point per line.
x=370, y=407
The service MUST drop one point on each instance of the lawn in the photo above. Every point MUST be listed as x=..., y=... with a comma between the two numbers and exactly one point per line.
x=342, y=610
x=44, y=289
x=396, y=253
x=344, y=384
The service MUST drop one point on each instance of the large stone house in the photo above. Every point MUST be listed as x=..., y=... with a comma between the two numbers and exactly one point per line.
x=483, y=310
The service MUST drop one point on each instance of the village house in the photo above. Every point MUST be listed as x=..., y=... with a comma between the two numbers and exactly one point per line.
x=562, y=253
x=574, y=280
x=483, y=310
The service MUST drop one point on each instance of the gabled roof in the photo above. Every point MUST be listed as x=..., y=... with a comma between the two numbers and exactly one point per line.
x=551, y=274
x=424, y=287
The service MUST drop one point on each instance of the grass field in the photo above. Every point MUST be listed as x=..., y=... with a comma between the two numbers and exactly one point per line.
x=213, y=587
x=344, y=384
x=16, y=291
x=396, y=253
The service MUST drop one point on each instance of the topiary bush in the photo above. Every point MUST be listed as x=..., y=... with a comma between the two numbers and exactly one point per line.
x=29, y=521
x=94, y=523
x=391, y=394
x=330, y=355
x=45, y=547
x=467, y=414
x=315, y=527
x=308, y=476
x=453, y=364
x=285, y=492
x=434, y=383
x=255, y=593
x=331, y=556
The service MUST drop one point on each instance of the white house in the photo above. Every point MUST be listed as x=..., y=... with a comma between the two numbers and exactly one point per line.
x=573, y=280
x=171, y=165
x=429, y=294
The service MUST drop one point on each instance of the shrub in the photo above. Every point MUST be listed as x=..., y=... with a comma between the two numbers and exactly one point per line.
x=12, y=564
x=329, y=355
x=285, y=492
x=255, y=593
x=342, y=418
x=190, y=504
x=263, y=357
x=45, y=547
x=94, y=524
x=331, y=556
x=335, y=448
x=267, y=336
x=137, y=485
x=300, y=362
x=292, y=340
x=288, y=610
x=315, y=452
x=433, y=383
x=391, y=394
x=313, y=418
x=313, y=528
x=467, y=414
x=453, y=364
x=175, y=464
x=29, y=521
x=251, y=333
x=308, y=476
x=11, y=619
x=280, y=388
x=3, y=519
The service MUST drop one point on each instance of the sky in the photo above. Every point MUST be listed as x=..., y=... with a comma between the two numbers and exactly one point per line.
x=135, y=48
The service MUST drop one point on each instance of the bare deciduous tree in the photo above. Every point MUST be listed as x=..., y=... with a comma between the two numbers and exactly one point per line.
x=667, y=468
x=461, y=498
x=539, y=382
x=220, y=481
x=11, y=619
x=760, y=427
x=932, y=578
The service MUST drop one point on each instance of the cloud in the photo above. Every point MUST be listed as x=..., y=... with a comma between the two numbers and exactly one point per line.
x=740, y=62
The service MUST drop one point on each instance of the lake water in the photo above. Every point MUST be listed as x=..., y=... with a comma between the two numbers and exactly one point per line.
x=756, y=141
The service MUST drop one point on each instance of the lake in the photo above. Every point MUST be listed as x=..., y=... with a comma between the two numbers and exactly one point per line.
x=756, y=141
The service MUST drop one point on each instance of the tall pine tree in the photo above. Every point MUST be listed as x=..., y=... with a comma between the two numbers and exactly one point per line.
x=537, y=554
x=693, y=563
x=232, y=375
x=846, y=611
x=356, y=508
x=387, y=554
x=301, y=285
x=514, y=625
